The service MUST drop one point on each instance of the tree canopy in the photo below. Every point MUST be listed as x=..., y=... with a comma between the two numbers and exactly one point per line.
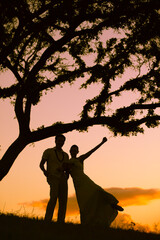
x=46, y=43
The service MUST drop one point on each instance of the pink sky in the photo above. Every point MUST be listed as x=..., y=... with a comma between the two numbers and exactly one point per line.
x=123, y=162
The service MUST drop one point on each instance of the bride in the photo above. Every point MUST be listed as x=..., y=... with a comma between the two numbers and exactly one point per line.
x=97, y=207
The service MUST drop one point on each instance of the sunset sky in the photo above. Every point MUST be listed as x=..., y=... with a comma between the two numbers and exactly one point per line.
x=127, y=167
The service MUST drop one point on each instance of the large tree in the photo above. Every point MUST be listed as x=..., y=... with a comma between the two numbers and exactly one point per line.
x=37, y=36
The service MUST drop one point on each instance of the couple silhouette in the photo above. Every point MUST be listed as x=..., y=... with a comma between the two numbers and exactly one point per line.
x=96, y=206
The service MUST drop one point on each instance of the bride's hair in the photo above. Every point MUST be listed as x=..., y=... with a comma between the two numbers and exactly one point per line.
x=74, y=146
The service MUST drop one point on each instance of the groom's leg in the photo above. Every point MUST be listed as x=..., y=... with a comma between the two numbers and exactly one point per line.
x=52, y=202
x=63, y=194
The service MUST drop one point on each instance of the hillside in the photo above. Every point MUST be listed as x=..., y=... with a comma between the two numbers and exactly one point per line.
x=18, y=228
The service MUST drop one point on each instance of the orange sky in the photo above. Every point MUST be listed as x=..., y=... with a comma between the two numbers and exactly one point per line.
x=127, y=197
x=128, y=166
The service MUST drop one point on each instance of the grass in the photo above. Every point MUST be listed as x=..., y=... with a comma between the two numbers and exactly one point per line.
x=13, y=227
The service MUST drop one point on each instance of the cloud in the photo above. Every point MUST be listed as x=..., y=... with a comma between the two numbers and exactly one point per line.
x=124, y=221
x=36, y=204
x=126, y=196
x=134, y=196
x=72, y=205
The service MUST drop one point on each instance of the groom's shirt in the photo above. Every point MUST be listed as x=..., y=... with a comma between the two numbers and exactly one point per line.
x=55, y=161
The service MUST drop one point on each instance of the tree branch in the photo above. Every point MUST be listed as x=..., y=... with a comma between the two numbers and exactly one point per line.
x=135, y=106
x=82, y=125
x=13, y=70
x=9, y=92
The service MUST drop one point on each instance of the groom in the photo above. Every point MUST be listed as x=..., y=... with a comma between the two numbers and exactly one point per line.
x=56, y=178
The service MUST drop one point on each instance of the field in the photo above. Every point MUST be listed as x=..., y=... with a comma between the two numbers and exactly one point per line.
x=23, y=228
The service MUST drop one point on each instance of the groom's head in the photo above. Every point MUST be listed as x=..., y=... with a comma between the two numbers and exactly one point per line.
x=60, y=140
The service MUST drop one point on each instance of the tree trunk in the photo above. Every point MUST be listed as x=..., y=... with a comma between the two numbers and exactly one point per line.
x=28, y=137
x=10, y=156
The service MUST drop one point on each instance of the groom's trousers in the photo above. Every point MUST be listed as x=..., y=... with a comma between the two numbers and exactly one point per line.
x=58, y=190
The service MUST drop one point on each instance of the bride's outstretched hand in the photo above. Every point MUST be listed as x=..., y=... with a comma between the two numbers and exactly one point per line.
x=104, y=140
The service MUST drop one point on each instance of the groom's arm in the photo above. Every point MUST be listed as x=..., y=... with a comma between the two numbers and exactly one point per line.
x=41, y=165
x=86, y=155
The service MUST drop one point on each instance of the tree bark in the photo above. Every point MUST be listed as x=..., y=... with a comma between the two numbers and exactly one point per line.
x=10, y=156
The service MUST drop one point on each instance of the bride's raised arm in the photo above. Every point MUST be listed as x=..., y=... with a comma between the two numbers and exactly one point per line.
x=86, y=155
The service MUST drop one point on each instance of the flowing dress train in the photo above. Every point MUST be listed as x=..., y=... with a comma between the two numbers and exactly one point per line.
x=95, y=204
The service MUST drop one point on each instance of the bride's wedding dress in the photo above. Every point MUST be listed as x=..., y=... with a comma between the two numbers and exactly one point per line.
x=97, y=207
